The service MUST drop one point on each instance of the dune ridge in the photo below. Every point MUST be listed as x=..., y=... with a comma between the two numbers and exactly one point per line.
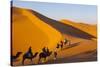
x=64, y=28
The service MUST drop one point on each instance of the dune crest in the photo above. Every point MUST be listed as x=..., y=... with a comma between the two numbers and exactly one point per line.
x=64, y=28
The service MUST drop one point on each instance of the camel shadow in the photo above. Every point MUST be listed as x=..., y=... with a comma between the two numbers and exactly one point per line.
x=71, y=45
x=91, y=53
x=16, y=60
x=90, y=56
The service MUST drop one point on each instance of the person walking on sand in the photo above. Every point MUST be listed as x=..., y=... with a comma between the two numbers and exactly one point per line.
x=55, y=55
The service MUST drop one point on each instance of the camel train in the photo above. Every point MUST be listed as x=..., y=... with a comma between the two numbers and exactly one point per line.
x=62, y=43
x=43, y=55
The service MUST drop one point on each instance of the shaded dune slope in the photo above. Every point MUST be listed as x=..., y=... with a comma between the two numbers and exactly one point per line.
x=64, y=28
x=89, y=28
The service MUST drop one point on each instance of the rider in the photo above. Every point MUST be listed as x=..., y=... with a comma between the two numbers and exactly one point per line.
x=44, y=50
x=30, y=51
x=57, y=45
x=61, y=44
x=65, y=41
x=55, y=55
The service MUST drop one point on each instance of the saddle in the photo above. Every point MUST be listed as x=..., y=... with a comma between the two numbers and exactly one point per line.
x=29, y=54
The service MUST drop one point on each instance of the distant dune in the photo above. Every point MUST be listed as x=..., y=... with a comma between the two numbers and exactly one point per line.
x=89, y=28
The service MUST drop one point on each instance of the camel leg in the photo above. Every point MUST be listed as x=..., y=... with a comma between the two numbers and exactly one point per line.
x=31, y=61
x=39, y=60
x=44, y=59
x=61, y=47
x=23, y=61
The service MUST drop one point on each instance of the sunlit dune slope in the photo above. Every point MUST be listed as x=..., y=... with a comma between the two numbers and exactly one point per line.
x=80, y=47
x=85, y=50
x=28, y=30
x=89, y=28
x=64, y=28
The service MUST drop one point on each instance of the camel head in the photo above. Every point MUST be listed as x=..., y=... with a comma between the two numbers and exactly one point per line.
x=19, y=53
x=49, y=53
x=35, y=54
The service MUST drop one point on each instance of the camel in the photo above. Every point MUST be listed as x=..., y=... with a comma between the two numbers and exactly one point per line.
x=58, y=46
x=61, y=46
x=55, y=55
x=44, y=55
x=29, y=55
x=13, y=58
x=66, y=41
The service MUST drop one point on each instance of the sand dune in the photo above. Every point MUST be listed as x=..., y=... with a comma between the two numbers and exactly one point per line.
x=30, y=28
x=64, y=28
x=89, y=28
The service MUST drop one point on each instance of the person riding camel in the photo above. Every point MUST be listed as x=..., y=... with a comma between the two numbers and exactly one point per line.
x=57, y=45
x=55, y=55
x=30, y=52
x=61, y=44
x=44, y=50
x=47, y=50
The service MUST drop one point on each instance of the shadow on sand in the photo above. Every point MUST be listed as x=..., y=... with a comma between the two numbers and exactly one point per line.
x=63, y=28
x=71, y=45
x=89, y=56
